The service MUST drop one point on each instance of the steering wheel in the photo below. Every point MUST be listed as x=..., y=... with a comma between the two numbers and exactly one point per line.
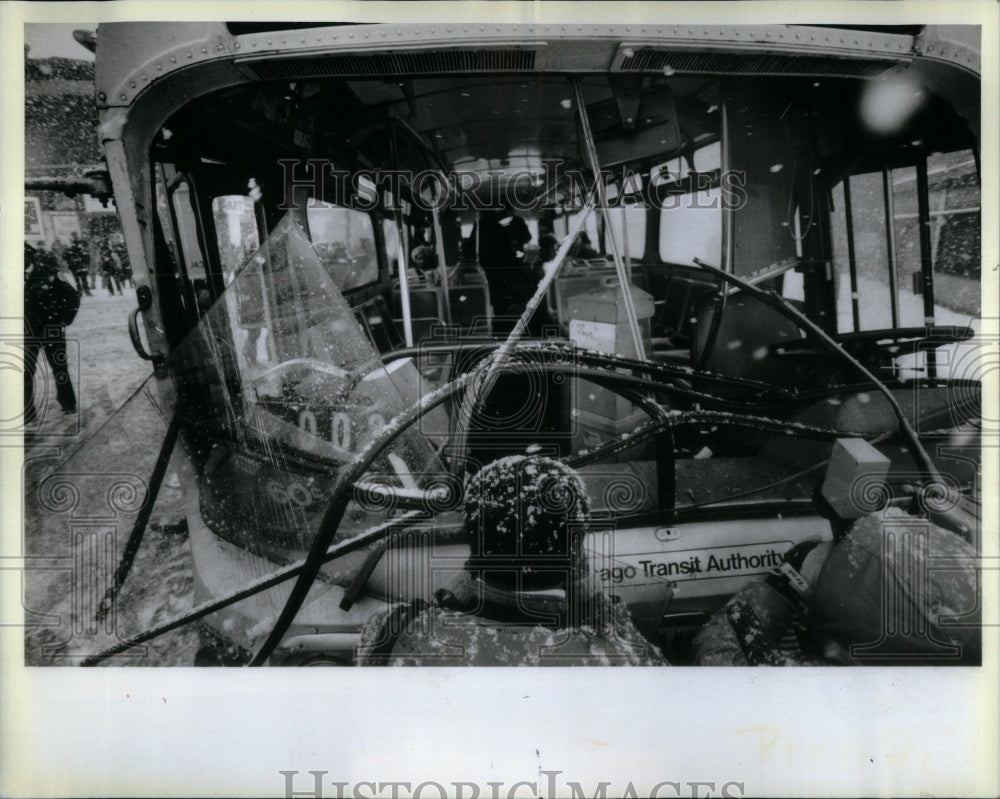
x=313, y=364
x=343, y=492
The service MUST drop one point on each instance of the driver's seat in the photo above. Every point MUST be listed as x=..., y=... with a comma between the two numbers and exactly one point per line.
x=746, y=331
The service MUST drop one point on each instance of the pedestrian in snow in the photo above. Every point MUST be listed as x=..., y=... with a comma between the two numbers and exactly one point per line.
x=526, y=595
x=109, y=268
x=50, y=304
x=123, y=267
x=78, y=261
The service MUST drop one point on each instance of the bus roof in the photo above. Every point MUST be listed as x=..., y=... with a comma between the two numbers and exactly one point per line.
x=135, y=56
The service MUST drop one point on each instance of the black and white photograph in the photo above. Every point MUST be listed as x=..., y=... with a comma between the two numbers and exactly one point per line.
x=540, y=338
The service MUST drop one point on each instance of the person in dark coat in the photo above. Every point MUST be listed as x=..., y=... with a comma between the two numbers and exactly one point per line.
x=582, y=247
x=123, y=267
x=50, y=304
x=502, y=238
x=526, y=596
x=109, y=268
x=78, y=260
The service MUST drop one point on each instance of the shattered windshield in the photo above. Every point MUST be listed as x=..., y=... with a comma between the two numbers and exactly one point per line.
x=278, y=389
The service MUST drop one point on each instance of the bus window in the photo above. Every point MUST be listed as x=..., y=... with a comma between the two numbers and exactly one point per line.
x=867, y=223
x=344, y=240
x=906, y=239
x=235, y=232
x=888, y=256
x=955, y=243
x=562, y=224
x=847, y=299
x=673, y=170
x=166, y=223
x=629, y=219
x=533, y=228
x=691, y=214
x=793, y=286
x=691, y=227
x=178, y=223
x=708, y=158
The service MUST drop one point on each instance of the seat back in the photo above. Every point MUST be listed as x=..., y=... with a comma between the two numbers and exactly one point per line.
x=745, y=331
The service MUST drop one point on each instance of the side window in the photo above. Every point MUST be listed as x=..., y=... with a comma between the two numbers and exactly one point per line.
x=691, y=227
x=629, y=219
x=562, y=224
x=906, y=244
x=163, y=214
x=175, y=210
x=675, y=169
x=708, y=157
x=390, y=236
x=344, y=240
x=885, y=250
x=954, y=200
x=876, y=223
x=848, y=305
x=691, y=214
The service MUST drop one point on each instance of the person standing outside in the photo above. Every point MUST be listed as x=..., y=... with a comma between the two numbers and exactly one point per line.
x=123, y=268
x=50, y=304
x=78, y=261
x=109, y=268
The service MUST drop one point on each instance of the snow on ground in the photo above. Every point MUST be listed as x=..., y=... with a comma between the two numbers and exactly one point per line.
x=71, y=518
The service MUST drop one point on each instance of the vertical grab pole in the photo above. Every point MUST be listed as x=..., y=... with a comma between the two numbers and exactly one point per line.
x=851, y=260
x=623, y=276
x=404, y=280
x=926, y=258
x=890, y=241
x=625, y=249
x=439, y=248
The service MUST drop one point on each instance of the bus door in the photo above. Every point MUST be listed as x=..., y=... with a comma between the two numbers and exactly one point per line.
x=181, y=270
x=906, y=250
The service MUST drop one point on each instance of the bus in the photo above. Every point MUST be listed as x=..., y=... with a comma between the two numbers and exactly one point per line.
x=731, y=274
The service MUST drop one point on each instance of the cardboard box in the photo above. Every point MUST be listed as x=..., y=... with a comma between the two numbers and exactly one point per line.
x=855, y=483
x=598, y=320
